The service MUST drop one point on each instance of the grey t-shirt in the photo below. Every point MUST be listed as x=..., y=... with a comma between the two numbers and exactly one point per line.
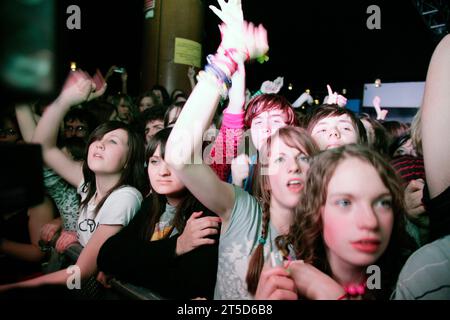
x=426, y=274
x=236, y=247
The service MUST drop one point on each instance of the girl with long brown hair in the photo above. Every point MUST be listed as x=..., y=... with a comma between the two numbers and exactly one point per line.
x=351, y=218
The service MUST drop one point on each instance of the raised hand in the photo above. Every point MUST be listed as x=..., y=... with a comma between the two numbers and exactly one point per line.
x=240, y=169
x=191, y=72
x=230, y=13
x=196, y=232
x=256, y=42
x=272, y=87
x=110, y=71
x=77, y=88
x=66, y=239
x=304, y=97
x=413, y=199
x=335, y=98
x=99, y=85
x=381, y=113
x=232, y=28
x=244, y=39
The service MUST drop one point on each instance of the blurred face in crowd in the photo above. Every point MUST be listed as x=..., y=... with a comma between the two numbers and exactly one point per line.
x=75, y=128
x=146, y=103
x=158, y=94
x=266, y=124
x=152, y=127
x=9, y=132
x=333, y=132
x=406, y=148
x=123, y=110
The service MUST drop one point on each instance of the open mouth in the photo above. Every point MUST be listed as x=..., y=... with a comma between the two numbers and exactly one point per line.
x=295, y=185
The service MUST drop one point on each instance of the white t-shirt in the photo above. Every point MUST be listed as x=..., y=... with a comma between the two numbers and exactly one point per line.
x=118, y=209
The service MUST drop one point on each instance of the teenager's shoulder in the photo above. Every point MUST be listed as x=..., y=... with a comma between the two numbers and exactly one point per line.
x=127, y=192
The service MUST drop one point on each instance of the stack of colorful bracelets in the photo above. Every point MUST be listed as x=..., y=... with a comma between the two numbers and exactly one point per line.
x=219, y=70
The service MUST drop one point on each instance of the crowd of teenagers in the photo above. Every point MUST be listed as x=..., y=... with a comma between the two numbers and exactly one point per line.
x=252, y=200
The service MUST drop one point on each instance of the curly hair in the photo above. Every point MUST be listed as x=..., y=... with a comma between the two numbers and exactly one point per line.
x=306, y=233
x=296, y=138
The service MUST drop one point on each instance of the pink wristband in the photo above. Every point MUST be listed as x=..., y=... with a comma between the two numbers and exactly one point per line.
x=233, y=120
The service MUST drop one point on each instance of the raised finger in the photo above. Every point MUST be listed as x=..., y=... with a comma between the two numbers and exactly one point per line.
x=330, y=92
x=218, y=13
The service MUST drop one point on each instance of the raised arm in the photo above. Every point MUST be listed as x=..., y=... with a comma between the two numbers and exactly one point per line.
x=27, y=121
x=304, y=97
x=185, y=142
x=436, y=120
x=191, y=76
x=225, y=146
x=183, y=150
x=78, y=88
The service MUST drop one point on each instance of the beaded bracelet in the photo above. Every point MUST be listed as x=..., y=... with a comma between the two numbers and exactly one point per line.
x=353, y=291
x=212, y=79
x=212, y=68
x=222, y=60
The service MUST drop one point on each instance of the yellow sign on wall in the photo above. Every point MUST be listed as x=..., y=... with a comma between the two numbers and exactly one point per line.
x=187, y=52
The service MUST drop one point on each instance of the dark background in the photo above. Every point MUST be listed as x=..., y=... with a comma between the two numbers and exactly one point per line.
x=312, y=43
